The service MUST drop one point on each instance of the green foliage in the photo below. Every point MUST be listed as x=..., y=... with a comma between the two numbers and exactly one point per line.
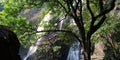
x=56, y=48
x=109, y=31
x=10, y=16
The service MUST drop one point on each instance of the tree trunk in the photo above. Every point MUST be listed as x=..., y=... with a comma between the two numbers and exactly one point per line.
x=87, y=49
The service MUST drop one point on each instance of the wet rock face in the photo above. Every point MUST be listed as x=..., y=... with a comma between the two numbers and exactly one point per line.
x=9, y=44
x=99, y=52
x=61, y=54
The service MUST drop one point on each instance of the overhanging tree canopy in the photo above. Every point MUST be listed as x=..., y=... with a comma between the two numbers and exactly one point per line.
x=95, y=12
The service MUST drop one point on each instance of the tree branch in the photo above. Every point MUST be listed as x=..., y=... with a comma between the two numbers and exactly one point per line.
x=100, y=23
x=92, y=16
x=81, y=19
x=66, y=31
x=102, y=13
x=73, y=10
x=101, y=5
x=96, y=27
x=88, y=6
x=77, y=4
x=112, y=5
x=63, y=7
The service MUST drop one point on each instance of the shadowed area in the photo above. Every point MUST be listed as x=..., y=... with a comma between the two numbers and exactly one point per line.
x=9, y=44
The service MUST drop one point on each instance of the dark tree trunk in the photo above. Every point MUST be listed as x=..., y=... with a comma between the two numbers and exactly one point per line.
x=89, y=48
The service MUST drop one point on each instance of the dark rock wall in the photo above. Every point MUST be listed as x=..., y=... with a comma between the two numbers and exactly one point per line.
x=9, y=44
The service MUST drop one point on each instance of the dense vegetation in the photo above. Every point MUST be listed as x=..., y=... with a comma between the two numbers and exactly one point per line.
x=84, y=17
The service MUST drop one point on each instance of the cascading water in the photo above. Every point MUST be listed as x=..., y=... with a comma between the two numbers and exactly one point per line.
x=60, y=25
x=32, y=49
x=75, y=49
x=74, y=52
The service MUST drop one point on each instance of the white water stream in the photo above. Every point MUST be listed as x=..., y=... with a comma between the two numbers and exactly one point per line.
x=33, y=48
x=74, y=52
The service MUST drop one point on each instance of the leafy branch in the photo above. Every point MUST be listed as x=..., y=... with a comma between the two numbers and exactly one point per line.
x=66, y=31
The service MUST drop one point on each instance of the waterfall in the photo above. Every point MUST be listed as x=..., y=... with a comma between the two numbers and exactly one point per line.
x=32, y=50
x=74, y=52
x=60, y=25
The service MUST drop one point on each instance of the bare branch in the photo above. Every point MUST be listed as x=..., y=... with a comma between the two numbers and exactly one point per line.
x=92, y=15
x=78, y=21
x=96, y=27
x=81, y=19
x=100, y=22
x=88, y=6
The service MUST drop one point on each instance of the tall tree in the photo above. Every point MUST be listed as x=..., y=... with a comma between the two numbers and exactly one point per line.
x=74, y=9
